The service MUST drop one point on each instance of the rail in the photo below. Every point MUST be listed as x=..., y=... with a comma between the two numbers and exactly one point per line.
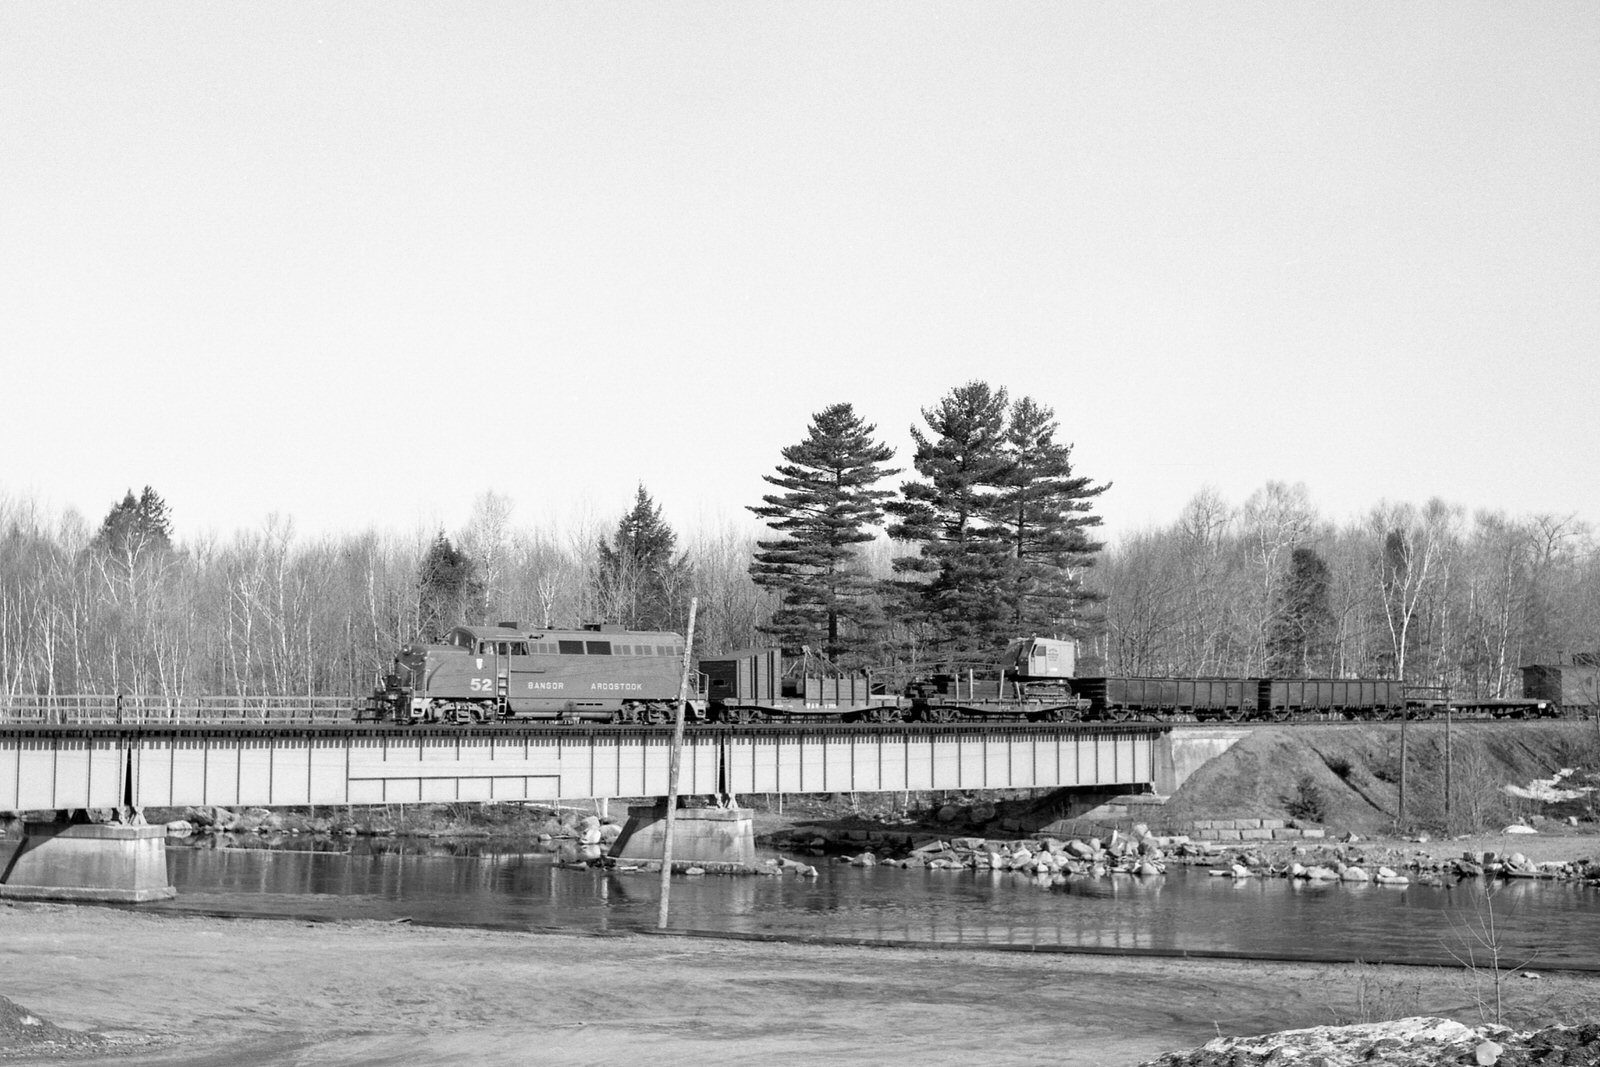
x=102, y=709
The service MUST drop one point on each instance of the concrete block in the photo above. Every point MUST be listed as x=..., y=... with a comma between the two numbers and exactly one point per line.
x=91, y=861
x=1257, y=834
x=1284, y=834
x=699, y=835
x=1273, y=824
x=1313, y=833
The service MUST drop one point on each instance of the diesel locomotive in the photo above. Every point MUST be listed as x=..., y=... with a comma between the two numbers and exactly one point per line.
x=478, y=674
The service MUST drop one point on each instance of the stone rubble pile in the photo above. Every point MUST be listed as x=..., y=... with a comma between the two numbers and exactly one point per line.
x=1415, y=1042
x=26, y=1033
x=1048, y=859
x=1144, y=853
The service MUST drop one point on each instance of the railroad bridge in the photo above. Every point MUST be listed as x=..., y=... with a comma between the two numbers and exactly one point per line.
x=62, y=766
x=149, y=764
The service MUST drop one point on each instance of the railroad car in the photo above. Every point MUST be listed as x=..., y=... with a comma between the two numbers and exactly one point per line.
x=1117, y=699
x=1286, y=698
x=1033, y=682
x=755, y=685
x=596, y=673
x=1572, y=687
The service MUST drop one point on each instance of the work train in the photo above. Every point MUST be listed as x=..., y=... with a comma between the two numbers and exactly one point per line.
x=605, y=674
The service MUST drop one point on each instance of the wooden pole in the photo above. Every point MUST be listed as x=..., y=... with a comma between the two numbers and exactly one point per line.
x=1447, y=709
x=672, y=767
x=1400, y=816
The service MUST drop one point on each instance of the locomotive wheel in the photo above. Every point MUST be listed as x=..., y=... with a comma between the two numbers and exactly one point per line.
x=744, y=716
x=941, y=713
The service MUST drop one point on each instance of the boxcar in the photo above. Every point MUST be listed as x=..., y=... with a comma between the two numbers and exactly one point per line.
x=1575, y=688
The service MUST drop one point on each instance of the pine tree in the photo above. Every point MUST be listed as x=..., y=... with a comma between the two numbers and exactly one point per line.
x=638, y=582
x=1002, y=522
x=957, y=581
x=827, y=504
x=449, y=590
x=1300, y=635
x=1045, y=513
x=136, y=526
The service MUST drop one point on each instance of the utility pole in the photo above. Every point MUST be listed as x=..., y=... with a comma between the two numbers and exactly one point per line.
x=672, y=766
x=1400, y=816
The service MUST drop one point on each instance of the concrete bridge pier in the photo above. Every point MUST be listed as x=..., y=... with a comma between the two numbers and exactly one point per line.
x=1179, y=753
x=714, y=838
x=87, y=862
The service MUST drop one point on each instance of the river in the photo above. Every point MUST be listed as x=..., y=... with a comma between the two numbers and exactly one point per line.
x=1185, y=911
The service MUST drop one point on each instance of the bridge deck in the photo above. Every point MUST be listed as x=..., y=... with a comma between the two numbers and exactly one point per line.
x=98, y=766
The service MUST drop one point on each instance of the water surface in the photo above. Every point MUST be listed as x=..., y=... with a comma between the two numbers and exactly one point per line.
x=1556, y=924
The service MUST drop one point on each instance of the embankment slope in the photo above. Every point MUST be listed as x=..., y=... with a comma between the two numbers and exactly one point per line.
x=1353, y=773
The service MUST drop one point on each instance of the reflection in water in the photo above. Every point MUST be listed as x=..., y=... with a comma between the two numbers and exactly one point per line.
x=479, y=883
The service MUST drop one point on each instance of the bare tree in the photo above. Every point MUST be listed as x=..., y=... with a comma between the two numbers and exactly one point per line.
x=1412, y=555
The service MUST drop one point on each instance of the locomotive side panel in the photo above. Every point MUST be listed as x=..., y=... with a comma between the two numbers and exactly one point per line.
x=590, y=676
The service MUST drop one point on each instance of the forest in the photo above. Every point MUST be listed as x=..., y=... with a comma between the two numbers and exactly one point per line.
x=990, y=537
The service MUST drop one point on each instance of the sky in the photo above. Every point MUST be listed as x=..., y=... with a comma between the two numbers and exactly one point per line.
x=357, y=264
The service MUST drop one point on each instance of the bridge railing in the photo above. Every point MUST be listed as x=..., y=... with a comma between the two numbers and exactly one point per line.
x=135, y=709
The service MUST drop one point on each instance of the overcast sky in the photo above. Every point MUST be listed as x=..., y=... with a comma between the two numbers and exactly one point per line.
x=357, y=263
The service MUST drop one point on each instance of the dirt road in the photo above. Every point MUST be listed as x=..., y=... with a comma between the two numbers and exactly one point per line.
x=209, y=991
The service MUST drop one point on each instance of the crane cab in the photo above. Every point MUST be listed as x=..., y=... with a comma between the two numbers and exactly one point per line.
x=1039, y=659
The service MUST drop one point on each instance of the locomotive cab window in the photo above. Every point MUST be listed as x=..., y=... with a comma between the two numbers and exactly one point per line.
x=570, y=648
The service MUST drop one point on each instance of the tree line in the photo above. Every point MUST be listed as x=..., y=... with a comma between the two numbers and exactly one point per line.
x=989, y=535
x=1427, y=594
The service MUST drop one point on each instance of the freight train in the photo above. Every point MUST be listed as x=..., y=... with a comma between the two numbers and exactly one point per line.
x=606, y=674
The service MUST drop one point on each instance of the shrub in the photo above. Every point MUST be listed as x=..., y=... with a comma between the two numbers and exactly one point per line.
x=1307, y=802
x=1378, y=995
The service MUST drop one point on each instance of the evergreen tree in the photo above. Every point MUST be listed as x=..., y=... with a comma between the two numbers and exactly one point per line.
x=136, y=526
x=1002, y=522
x=449, y=590
x=828, y=501
x=958, y=580
x=638, y=582
x=1300, y=637
x=1045, y=513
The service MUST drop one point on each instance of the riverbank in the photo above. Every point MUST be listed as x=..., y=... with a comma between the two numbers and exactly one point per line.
x=199, y=991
